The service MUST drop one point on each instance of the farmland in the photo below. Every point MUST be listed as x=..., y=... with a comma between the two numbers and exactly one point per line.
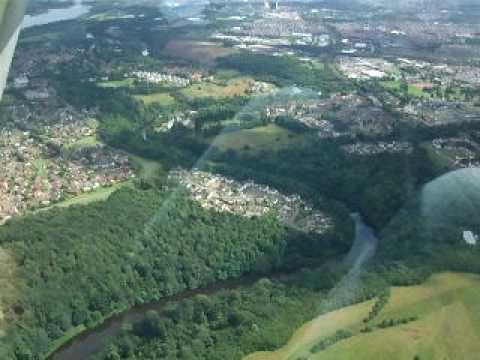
x=433, y=334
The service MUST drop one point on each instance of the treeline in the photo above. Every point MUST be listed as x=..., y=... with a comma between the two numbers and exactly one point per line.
x=285, y=71
x=76, y=266
x=378, y=185
x=331, y=340
x=227, y=325
x=231, y=324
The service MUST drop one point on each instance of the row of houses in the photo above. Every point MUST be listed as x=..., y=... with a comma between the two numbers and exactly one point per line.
x=250, y=199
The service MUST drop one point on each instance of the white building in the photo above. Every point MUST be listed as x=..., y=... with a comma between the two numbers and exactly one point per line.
x=470, y=238
x=20, y=82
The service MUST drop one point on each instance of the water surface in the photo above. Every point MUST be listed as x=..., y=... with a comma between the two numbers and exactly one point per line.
x=55, y=15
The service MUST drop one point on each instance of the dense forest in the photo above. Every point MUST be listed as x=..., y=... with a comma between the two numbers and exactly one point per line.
x=232, y=323
x=78, y=265
x=378, y=186
x=286, y=71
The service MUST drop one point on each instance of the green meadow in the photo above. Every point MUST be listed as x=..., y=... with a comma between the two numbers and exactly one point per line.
x=444, y=315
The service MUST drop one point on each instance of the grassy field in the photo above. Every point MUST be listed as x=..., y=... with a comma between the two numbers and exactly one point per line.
x=99, y=194
x=270, y=137
x=161, y=98
x=412, y=89
x=87, y=141
x=233, y=87
x=117, y=83
x=447, y=308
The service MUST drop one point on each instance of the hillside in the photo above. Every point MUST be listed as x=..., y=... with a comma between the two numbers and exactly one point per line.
x=429, y=332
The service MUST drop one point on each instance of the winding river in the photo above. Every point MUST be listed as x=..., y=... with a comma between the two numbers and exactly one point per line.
x=93, y=341
x=54, y=15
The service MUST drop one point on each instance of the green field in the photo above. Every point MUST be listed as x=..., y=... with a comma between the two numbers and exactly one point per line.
x=117, y=83
x=161, y=98
x=100, y=194
x=88, y=141
x=447, y=326
x=268, y=138
x=412, y=89
x=233, y=87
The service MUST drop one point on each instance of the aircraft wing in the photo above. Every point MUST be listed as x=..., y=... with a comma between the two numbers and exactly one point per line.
x=11, y=17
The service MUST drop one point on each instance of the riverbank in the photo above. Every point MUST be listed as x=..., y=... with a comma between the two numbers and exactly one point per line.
x=92, y=340
x=83, y=341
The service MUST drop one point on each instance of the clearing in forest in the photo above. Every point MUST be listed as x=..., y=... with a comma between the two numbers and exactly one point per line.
x=267, y=138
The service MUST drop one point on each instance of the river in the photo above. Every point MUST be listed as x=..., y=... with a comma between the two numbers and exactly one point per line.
x=55, y=15
x=93, y=341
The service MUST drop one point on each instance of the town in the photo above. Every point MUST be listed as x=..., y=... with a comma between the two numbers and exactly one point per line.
x=248, y=199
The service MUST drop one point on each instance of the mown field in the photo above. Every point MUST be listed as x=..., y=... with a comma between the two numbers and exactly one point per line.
x=446, y=325
x=117, y=83
x=161, y=98
x=268, y=138
x=413, y=90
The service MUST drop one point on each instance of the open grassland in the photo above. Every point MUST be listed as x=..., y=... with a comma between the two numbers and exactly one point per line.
x=268, y=138
x=413, y=90
x=100, y=194
x=446, y=326
x=161, y=98
x=233, y=87
x=88, y=141
x=308, y=335
x=117, y=83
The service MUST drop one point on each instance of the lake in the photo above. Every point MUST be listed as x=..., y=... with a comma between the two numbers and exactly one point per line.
x=55, y=15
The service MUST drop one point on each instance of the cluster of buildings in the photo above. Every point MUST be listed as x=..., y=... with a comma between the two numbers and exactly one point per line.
x=249, y=199
x=440, y=111
x=180, y=118
x=335, y=116
x=274, y=30
x=163, y=78
x=36, y=176
x=439, y=74
x=462, y=152
x=378, y=148
x=365, y=68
